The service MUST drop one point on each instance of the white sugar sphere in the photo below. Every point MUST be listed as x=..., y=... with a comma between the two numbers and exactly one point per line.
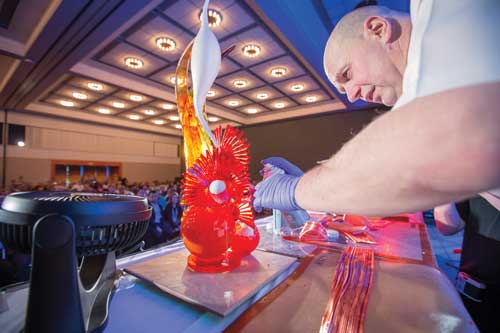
x=217, y=186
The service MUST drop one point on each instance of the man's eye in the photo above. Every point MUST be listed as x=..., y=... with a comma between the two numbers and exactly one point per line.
x=347, y=74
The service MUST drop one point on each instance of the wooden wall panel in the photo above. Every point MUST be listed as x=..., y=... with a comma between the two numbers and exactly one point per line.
x=165, y=149
x=306, y=140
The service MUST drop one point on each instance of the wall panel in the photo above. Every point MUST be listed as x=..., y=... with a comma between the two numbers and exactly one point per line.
x=304, y=141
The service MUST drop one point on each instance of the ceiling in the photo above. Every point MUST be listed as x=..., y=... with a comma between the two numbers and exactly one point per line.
x=245, y=93
x=93, y=97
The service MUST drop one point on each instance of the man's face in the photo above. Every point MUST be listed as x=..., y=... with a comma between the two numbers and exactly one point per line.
x=363, y=70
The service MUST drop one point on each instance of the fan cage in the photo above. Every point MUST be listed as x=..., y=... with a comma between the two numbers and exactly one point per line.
x=77, y=197
x=90, y=240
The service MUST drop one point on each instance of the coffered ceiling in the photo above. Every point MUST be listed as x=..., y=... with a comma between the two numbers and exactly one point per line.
x=110, y=103
x=264, y=78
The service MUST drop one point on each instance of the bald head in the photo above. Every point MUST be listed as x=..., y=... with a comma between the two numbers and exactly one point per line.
x=370, y=34
x=351, y=25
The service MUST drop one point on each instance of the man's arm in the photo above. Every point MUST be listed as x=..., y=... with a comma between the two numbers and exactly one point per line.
x=437, y=149
x=448, y=221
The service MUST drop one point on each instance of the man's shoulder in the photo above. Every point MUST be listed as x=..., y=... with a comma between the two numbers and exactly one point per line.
x=438, y=60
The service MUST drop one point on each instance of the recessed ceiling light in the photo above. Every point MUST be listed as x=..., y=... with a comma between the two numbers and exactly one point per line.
x=67, y=103
x=165, y=44
x=103, y=111
x=262, y=95
x=168, y=106
x=174, y=118
x=134, y=117
x=279, y=105
x=135, y=98
x=214, y=18
x=278, y=71
x=179, y=81
x=149, y=112
x=252, y=110
x=159, y=121
x=297, y=87
x=240, y=83
x=213, y=119
x=133, y=62
x=211, y=93
x=78, y=95
x=233, y=102
x=20, y=143
x=311, y=99
x=118, y=105
x=251, y=50
x=95, y=86
x=179, y=126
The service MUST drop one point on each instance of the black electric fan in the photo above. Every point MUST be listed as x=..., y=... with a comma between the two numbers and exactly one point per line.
x=58, y=228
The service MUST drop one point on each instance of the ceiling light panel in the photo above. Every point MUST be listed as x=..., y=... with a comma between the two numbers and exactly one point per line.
x=308, y=83
x=133, y=62
x=280, y=103
x=251, y=50
x=134, y=116
x=81, y=95
x=228, y=81
x=83, y=83
x=278, y=72
x=116, y=103
x=159, y=122
x=146, y=34
x=96, y=86
x=66, y=103
x=229, y=101
x=258, y=36
x=234, y=17
x=292, y=66
x=311, y=97
x=258, y=95
x=166, y=44
x=214, y=18
x=100, y=109
x=132, y=97
x=132, y=59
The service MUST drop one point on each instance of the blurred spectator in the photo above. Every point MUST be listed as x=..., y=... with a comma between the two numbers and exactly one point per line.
x=173, y=214
x=157, y=230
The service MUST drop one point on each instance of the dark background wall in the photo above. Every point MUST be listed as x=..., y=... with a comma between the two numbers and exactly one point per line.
x=304, y=141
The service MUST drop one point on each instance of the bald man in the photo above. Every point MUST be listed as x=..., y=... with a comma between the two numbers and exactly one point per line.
x=440, y=69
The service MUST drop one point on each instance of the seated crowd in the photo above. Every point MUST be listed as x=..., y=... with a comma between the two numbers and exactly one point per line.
x=164, y=224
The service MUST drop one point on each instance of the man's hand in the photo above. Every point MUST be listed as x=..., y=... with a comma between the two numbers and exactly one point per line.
x=285, y=165
x=278, y=190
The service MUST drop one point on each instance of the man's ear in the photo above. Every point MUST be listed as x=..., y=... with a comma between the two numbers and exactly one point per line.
x=379, y=28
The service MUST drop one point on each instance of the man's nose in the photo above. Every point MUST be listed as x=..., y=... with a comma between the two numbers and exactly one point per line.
x=352, y=93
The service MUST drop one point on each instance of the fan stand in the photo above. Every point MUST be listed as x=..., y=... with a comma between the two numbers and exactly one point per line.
x=97, y=280
x=60, y=299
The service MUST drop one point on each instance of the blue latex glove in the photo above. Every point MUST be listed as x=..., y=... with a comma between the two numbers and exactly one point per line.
x=285, y=165
x=277, y=192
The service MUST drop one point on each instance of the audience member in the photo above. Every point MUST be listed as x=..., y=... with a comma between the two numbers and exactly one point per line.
x=173, y=214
